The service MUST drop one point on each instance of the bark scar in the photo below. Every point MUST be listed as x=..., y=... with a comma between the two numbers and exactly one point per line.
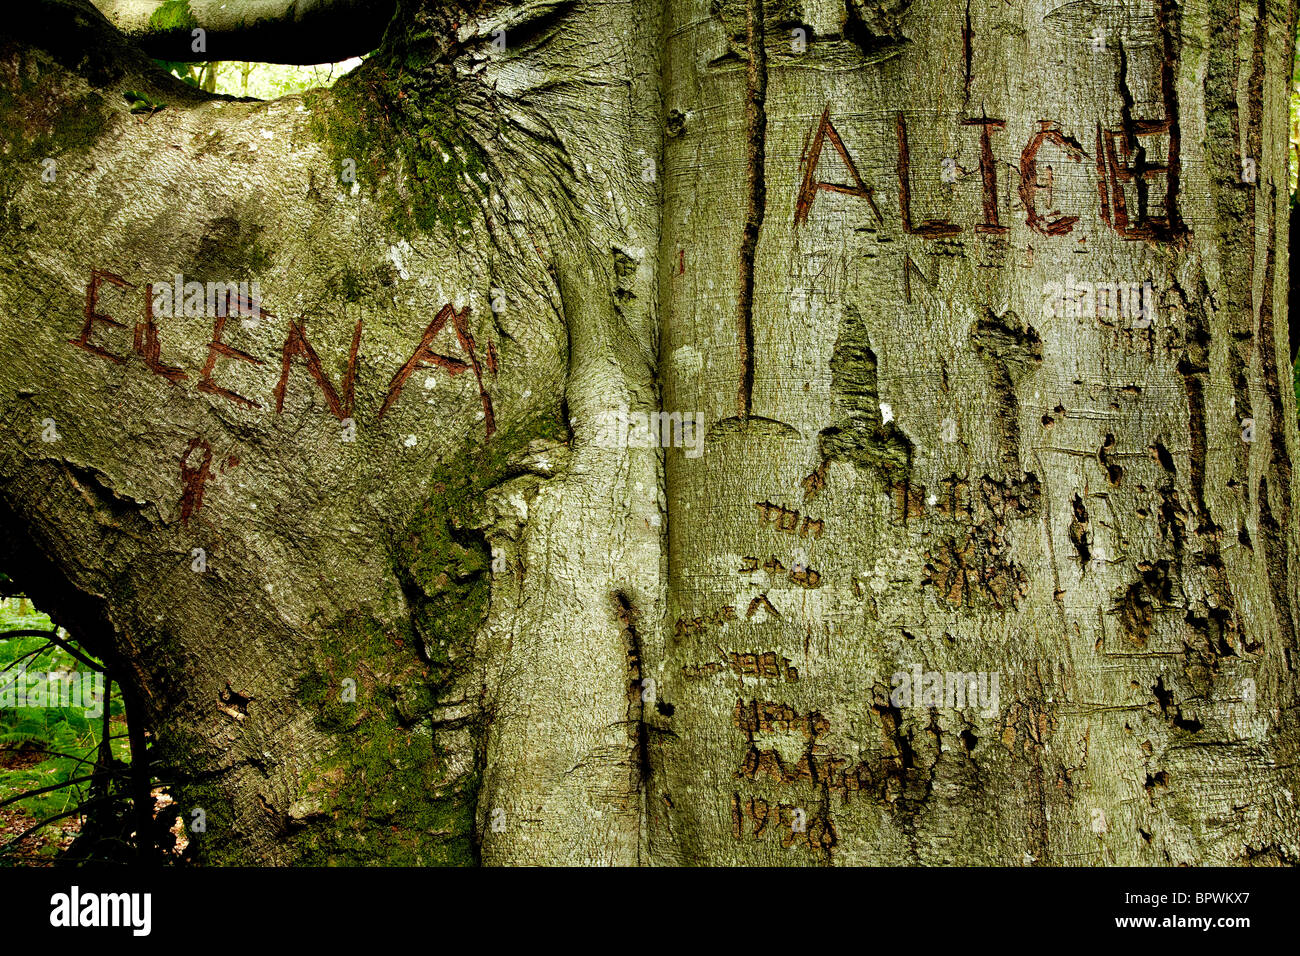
x=755, y=135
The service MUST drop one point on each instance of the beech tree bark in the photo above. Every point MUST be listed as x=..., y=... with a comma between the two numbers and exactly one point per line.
x=981, y=306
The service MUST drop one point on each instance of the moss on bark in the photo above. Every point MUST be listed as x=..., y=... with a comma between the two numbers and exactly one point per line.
x=395, y=790
x=409, y=144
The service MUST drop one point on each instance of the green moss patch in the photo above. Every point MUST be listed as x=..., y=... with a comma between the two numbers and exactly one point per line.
x=410, y=145
x=389, y=794
x=39, y=119
x=173, y=15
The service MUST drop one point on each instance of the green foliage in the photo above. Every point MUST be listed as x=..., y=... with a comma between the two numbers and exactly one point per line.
x=389, y=791
x=269, y=81
x=410, y=143
x=189, y=73
x=173, y=15
x=1295, y=118
x=26, y=734
x=263, y=81
x=140, y=103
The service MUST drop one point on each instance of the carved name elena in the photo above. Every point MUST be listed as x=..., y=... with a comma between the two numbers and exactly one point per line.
x=147, y=346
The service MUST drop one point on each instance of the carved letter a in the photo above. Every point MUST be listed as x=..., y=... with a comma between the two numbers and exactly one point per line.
x=811, y=185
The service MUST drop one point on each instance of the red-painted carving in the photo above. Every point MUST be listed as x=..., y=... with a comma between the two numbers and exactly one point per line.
x=1048, y=131
x=1125, y=164
x=93, y=314
x=425, y=357
x=296, y=344
x=930, y=228
x=218, y=347
x=194, y=478
x=146, y=343
x=811, y=185
x=988, y=174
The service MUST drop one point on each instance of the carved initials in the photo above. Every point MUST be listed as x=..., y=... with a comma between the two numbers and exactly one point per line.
x=425, y=356
x=811, y=185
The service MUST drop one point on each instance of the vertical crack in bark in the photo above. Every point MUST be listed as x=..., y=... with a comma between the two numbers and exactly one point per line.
x=638, y=731
x=1255, y=118
x=1171, y=38
x=1194, y=367
x=755, y=135
x=968, y=53
x=1135, y=146
x=1275, y=529
x=1235, y=210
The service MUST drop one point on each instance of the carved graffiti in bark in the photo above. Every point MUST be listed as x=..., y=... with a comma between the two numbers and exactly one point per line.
x=296, y=345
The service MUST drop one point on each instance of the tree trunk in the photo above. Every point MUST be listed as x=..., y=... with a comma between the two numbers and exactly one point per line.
x=987, y=553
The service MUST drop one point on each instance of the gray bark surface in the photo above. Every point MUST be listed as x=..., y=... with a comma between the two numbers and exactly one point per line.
x=567, y=650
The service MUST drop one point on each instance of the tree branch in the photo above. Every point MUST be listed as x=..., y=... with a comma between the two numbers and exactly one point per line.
x=263, y=31
x=53, y=638
x=54, y=819
x=27, y=794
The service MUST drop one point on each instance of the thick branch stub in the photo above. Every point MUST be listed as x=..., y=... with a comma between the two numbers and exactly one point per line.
x=261, y=31
x=873, y=24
